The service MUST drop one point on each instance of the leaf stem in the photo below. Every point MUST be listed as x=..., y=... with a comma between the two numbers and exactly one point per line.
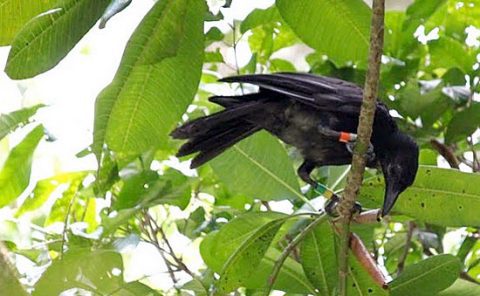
x=364, y=131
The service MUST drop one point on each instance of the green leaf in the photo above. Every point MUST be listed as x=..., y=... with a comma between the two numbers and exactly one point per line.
x=147, y=189
x=15, y=174
x=359, y=281
x=280, y=65
x=461, y=288
x=75, y=270
x=259, y=167
x=449, y=53
x=231, y=235
x=340, y=29
x=197, y=287
x=427, y=277
x=418, y=13
x=463, y=124
x=112, y=222
x=214, y=34
x=319, y=260
x=140, y=107
x=135, y=289
x=44, y=41
x=11, y=121
x=44, y=189
x=394, y=33
x=429, y=106
x=438, y=196
x=217, y=247
x=259, y=17
x=244, y=261
x=63, y=206
x=15, y=13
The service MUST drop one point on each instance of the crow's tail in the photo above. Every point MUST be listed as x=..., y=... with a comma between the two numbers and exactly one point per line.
x=211, y=135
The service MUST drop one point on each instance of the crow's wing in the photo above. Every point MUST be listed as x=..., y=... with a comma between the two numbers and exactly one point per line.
x=321, y=92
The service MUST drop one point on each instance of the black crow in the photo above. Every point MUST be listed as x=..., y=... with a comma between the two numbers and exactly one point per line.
x=316, y=114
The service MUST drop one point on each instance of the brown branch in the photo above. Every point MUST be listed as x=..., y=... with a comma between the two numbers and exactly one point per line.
x=364, y=132
x=406, y=249
x=367, y=217
x=446, y=152
x=465, y=276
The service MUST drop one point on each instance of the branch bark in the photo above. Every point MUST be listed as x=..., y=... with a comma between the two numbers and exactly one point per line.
x=364, y=132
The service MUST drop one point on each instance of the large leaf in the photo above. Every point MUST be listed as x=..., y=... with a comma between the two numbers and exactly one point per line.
x=15, y=13
x=260, y=17
x=439, y=196
x=461, y=288
x=75, y=270
x=319, y=260
x=217, y=247
x=45, y=40
x=11, y=121
x=64, y=206
x=248, y=255
x=340, y=29
x=449, y=53
x=463, y=124
x=156, y=80
x=231, y=235
x=394, y=36
x=147, y=189
x=427, y=277
x=418, y=13
x=259, y=167
x=44, y=189
x=359, y=281
x=429, y=106
x=15, y=174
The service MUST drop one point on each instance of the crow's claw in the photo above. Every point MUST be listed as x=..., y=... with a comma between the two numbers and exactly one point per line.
x=332, y=203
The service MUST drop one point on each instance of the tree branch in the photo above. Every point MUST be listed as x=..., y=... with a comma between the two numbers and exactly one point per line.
x=364, y=132
x=446, y=152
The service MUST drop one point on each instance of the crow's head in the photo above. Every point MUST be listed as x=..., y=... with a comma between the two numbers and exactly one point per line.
x=399, y=164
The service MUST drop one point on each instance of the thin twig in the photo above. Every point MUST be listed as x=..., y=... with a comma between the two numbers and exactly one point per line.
x=65, y=224
x=476, y=162
x=465, y=276
x=406, y=248
x=177, y=260
x=279, y=263
x=234, y=30
x=364, y=132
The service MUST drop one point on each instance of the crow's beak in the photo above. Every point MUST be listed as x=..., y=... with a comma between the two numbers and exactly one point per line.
x=391, y=194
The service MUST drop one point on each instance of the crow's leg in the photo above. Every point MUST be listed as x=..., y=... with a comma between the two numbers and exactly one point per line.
x=304, y=172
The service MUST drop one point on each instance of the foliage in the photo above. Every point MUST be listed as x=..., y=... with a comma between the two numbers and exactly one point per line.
x=244, y=208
